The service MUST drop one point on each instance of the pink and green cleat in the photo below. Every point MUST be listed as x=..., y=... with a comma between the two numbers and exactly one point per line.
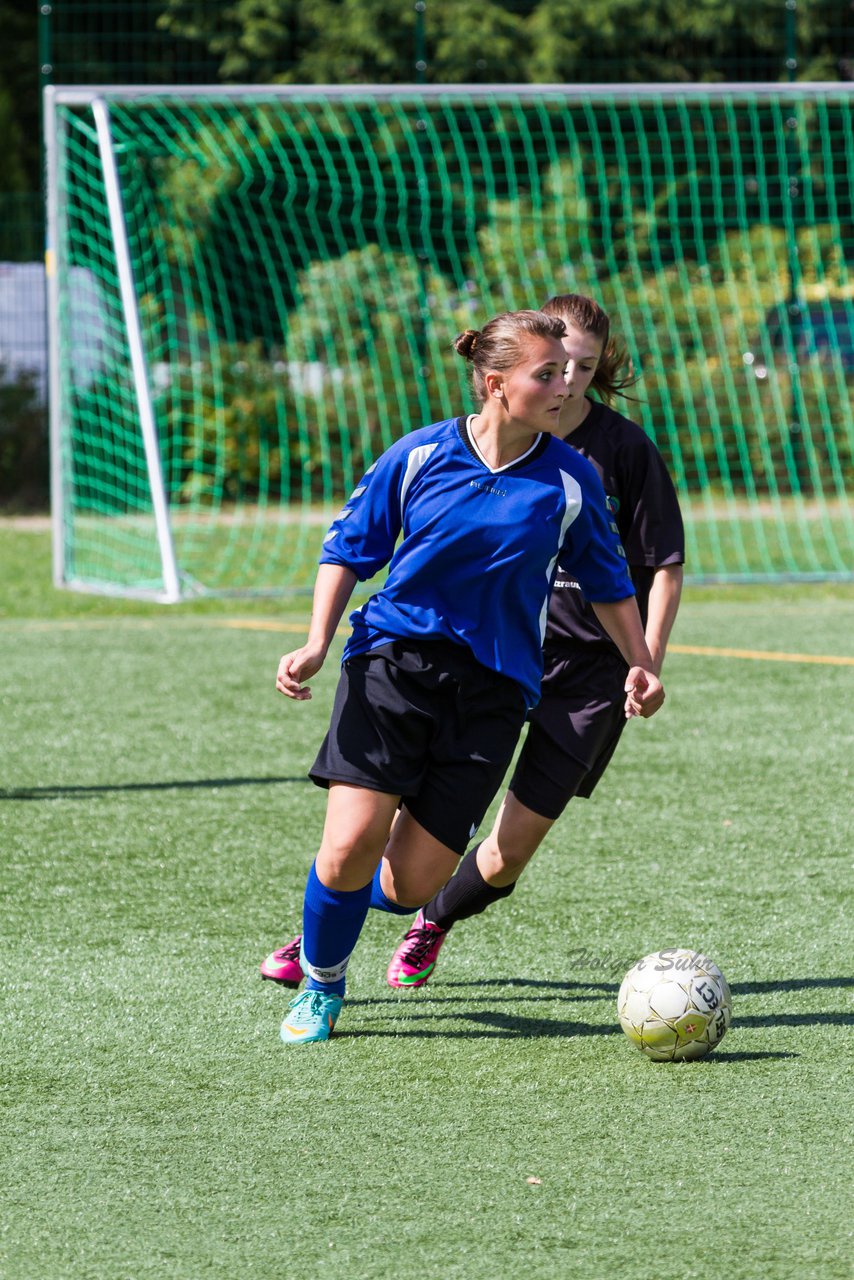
x=415, y=959
x=283, y=966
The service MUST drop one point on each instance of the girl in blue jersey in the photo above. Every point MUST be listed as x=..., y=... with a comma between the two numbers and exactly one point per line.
x=445, y=660
x=575, y=727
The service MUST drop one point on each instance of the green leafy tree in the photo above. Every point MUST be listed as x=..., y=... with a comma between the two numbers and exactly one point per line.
x=20, y=116
x=23, y=442
x=504, y=41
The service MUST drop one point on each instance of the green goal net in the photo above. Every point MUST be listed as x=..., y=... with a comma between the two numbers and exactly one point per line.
x=253, y=292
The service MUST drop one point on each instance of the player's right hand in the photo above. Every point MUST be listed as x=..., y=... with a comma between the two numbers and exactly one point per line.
x=296, y=667
x=644, y=693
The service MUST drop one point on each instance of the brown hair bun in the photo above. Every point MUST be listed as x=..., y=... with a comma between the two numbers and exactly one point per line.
x=465, y=343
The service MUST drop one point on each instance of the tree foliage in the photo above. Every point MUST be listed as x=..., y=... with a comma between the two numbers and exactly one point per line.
x=380, y=41
x=19, y=99
x=506, y=41
x=383, y=41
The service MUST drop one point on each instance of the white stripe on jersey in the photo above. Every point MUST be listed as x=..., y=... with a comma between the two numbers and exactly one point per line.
x=572, y=494
x=416, y=460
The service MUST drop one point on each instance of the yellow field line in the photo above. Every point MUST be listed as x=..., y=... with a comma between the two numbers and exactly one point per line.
x=299, y=628
x=761, y=655
x=267, y=624
x=703, y=651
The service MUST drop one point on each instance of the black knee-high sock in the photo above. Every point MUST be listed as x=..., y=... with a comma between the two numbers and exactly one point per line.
x=466, y=894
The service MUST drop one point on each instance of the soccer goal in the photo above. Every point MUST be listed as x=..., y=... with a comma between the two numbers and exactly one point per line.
x=275, y=276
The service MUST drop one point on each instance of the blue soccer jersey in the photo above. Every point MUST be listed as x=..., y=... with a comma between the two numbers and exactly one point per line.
x=479, y=549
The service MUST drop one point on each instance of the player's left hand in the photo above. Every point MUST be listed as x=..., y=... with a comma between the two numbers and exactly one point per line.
x=644, y=693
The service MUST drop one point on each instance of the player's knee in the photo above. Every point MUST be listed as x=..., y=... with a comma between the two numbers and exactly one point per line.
x=347, y=863
x=413, y=889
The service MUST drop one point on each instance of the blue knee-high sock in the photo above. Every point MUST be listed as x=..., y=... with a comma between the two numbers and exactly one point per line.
x=332, y=920
x=379, y=901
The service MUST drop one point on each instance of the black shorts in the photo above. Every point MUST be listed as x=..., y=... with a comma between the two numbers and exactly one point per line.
x=573, y=731
x=428, y=723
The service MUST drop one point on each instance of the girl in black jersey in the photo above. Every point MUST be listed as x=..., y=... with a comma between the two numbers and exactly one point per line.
x=575, y=728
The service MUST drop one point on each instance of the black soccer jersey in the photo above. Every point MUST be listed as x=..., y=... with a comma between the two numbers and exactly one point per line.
x=645, y=511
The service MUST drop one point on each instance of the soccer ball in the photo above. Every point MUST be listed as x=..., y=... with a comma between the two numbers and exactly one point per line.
x=674, y=1005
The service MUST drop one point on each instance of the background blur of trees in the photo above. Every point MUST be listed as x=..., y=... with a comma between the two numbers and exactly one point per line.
x=528, y=41
x=365, y=41
x=382, y=41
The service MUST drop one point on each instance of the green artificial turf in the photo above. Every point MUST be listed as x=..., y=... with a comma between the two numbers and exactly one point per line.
x=156, y=828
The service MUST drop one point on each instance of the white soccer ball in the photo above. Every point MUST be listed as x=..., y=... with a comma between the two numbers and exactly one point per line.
x=674, y=1005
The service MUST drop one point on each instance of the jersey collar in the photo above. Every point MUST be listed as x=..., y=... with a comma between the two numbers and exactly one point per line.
x=537, y=448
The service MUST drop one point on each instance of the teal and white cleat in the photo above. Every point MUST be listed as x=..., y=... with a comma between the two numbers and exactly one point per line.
x=311, y=1016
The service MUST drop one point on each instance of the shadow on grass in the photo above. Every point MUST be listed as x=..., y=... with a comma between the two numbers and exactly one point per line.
x=489, y=1028
x=788, y=984
x=519, y=1024
x=721, y=1057
x=611, y=988
x=421, y=1000
x=830, y=1018
x=495, y=1024
x=798, y=1020
x=496, y=1027
x=78, y=792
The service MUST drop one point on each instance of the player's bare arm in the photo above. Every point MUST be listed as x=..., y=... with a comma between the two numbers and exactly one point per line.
x=664, y=596
x=332, y=590
x=644, y=691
